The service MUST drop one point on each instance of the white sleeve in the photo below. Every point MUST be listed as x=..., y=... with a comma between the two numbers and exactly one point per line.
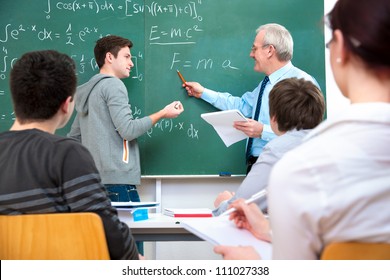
x=294, y=209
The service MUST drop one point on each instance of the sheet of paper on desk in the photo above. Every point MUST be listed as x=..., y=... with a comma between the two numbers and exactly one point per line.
x=222, y=121
x=134, y=205
x=188, y=212
x=221, y=231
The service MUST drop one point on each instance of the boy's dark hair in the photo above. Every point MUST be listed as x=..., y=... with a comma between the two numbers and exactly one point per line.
x=296, y=104
x=112, y=44
x=40, y=82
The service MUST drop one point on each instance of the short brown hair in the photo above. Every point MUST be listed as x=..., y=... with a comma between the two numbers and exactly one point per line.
x=296, y=104
x=112, y=44
x=40, y=82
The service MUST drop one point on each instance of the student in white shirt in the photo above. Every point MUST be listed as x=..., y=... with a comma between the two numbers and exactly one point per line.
x=335, y=187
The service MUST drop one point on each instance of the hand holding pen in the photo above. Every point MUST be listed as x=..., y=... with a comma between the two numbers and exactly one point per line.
x=253, y=198
x=193, y=88
x=248, y=216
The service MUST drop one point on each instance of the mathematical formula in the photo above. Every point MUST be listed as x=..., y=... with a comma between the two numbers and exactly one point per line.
x=169, y=125
x=61, y=25
x=128, y=7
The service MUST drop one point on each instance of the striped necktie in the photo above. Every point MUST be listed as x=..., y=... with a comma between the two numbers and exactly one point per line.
x=257, y=112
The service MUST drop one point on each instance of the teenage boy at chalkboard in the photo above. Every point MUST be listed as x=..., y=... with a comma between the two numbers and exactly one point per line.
x=105, y=124
x=296, y=106
x=46, y=173
x=272, y=51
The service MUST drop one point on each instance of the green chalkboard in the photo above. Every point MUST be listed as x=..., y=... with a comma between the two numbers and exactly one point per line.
x=207, y=40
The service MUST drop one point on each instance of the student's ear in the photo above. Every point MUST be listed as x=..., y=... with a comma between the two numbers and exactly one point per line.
x=68, y=105
x=109, y=57
x=274, y=125
x=273, y=119
x=340, y=51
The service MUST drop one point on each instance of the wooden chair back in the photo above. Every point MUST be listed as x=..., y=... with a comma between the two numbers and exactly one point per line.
x=356, y=251
x=59, y=236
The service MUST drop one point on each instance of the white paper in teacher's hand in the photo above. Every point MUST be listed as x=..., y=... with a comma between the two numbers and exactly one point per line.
x=223, y=121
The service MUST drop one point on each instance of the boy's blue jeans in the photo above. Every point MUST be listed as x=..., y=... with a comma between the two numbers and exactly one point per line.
x=125, y=193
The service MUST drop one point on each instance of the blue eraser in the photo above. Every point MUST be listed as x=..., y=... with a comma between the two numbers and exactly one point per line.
x=140, y=215
x=225, y=174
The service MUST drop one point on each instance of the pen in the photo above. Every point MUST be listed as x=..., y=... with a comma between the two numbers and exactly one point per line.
x=253, y=198
x=181, y=77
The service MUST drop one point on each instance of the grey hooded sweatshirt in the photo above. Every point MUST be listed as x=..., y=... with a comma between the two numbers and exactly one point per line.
x=105, y=125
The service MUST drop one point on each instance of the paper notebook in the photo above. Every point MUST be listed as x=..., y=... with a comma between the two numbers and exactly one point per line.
x=221, y=231
x=188, y=212
x=222, y=121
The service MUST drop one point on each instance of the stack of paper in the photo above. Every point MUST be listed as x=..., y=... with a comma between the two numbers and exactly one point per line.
x=221, y=231
x=222, y=122
x=134, y=205
x=188, y=212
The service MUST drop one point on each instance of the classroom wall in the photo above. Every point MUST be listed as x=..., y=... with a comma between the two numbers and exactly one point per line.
x=201, y=192
x=335, y=101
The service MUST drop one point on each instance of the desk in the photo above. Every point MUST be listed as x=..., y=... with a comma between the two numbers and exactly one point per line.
x=158, y=227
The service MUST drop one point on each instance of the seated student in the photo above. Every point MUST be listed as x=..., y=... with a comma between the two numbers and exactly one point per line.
x=335, y=187
x=296, y=106
x=45, y=173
